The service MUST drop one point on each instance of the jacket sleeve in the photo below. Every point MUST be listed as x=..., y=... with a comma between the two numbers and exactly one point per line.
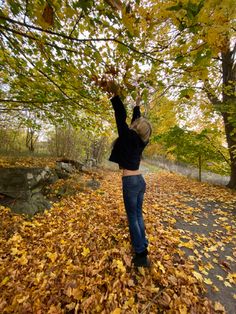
x=120, y=115
x=136, y=113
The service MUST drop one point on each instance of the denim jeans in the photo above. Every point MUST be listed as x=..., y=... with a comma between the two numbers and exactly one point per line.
x=133, y=192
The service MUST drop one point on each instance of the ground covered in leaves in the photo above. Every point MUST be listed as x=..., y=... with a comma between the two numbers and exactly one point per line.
x=76, y=257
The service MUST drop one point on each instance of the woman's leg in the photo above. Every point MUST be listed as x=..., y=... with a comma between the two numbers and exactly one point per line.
x=131, y=190
x=140, y=216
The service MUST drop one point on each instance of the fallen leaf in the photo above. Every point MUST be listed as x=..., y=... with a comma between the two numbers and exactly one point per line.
x=227, y=284
x=4, y=281
x=85, y=252
x=116, y=311
x=197, y=275
x=208, y=281
x=219, y=307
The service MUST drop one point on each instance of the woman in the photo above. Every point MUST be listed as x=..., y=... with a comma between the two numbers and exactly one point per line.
x=127, y=152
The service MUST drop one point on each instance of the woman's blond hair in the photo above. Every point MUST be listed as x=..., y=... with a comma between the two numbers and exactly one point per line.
x=143, y=128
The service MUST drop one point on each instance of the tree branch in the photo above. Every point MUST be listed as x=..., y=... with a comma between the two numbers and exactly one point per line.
x=48, y=77
x=76, y=23
x=227, y=160
x=26, y=9
x=34, y=101
x=37, y=39
x=80, y=39
x=208, y=89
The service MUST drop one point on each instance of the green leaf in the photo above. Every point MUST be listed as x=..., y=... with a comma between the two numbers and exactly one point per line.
x=175, y=7
x=15, y=7
x=122, y=48
x=83, y=4
x=187, y=93
x=179, y=58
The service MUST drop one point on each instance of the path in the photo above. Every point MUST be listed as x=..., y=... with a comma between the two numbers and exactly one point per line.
x=207, y=228
x=190, y=171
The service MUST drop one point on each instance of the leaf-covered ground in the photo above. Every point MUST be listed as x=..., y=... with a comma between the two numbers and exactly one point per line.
x=76, y=257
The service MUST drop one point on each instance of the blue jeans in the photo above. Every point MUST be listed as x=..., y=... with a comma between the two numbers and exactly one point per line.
x=133, y=192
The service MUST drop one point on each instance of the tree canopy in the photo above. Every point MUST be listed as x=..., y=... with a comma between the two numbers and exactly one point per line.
x=56, y=56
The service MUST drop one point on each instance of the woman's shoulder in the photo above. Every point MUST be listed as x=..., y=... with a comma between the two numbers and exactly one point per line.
x=133, y=137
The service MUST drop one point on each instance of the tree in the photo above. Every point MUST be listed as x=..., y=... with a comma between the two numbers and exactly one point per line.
x=199, y=50
x=192, y=147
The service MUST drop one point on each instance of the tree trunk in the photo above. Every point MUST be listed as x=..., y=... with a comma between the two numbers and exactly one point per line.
x=228, y=108
x=231, y=140
x=200, y=168
x=30, y=141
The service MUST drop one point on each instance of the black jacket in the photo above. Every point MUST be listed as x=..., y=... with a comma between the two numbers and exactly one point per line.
x=128, y=147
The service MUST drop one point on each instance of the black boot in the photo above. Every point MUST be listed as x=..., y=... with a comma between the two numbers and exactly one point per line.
x=141, y=259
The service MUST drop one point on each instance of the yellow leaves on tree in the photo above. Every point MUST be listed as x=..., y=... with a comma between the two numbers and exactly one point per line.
x=163, y=114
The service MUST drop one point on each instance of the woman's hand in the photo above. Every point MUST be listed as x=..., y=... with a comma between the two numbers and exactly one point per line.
x=113, y=88
x=109, y=86
x=138, y=100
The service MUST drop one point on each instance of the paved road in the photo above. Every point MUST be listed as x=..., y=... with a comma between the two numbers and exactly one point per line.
x=208, y=235
x=213, y=230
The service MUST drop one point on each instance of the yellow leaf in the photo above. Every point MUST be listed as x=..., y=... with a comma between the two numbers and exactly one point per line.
x=141, y=270
x=215, y=289
x=16, y=238
x=4, y=281
x=234, y=296
x=23, y=260
x=23, y=299
x=213, y=248
x=232, y=278
x=166, y=257
x=116, y=311
x=52, y=256
x=202, y=270
x=120, y=266
x=71, y=306
x=53, y=309
x=230, y=258
x=219, y=307
x=154, y=289
x=197, y=275
x=85, y=252
x=227, y=284
x=220, y=277
x=208, y=281
x=77, y=293
x=172, y=220
x=160, y=266
x=207, y=255
x=129, y=302
x=183, y=309
x=15, y=251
